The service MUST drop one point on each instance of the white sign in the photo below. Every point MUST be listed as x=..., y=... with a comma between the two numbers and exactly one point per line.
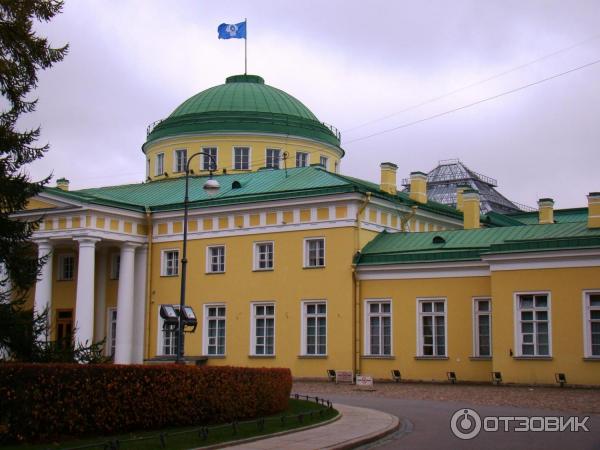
x=344, y=376
x=364, y=381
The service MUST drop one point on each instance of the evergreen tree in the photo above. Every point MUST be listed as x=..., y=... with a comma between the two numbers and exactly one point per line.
x=22, y=54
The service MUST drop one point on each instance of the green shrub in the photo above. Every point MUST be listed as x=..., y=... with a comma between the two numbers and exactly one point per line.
x=39, y=402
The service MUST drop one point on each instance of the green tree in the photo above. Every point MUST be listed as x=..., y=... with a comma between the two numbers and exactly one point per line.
x=22, y=55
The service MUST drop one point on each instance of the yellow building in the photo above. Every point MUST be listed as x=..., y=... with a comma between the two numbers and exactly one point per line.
x=292, y=264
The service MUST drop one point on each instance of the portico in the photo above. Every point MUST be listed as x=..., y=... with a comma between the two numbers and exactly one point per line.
x=76, y=278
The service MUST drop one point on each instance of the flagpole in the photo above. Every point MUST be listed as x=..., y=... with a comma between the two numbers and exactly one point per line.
x=246, y=48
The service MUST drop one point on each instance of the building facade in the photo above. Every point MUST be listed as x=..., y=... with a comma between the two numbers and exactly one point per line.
x=292, y=264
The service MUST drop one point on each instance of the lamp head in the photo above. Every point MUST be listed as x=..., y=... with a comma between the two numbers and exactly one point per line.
x=211, y=186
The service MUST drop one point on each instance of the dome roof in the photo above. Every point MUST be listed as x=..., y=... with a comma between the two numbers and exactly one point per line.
x=243, y=104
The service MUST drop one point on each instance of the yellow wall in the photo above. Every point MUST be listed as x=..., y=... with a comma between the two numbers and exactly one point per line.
x=566, y=287
x=287, y=285
x=225, y=144
x=459, y=293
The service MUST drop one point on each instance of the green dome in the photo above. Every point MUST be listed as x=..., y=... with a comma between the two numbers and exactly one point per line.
x=243, y=104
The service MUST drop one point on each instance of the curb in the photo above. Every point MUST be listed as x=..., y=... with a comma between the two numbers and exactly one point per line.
x=375, y=436
x=268, y=436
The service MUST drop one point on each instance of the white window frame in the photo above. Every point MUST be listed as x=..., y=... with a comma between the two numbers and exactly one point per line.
x=306, y=252
x=208, y=268
x=253, y=318
x=277, y=160
x=205, y=321
x=476, y=314
x=176, y=154
x=367, y=326
x=307, y=155
x=303, y=326
x=518, y=352
x=336, y=167
x=160, y=341
x=420, y=315
x=256, y=259
x=204, y=159
x=326, y=164
x=160, y=163
x=163, y=262
x=233, y=165
x=115, y=266
x=110, y=334
x=587, y=329
x=61, y=264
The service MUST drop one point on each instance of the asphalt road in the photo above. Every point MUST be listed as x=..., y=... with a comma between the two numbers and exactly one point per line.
x=427, y=424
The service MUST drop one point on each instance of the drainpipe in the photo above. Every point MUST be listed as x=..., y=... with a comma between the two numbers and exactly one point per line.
x=148, y=281
x=356, y=309
x=407, y=217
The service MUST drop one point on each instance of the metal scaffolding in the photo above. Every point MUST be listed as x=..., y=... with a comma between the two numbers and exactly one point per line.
x=443, y=181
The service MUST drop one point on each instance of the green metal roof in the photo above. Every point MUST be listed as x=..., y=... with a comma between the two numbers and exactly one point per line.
x=456, y=245
x=244, y=104
x=263, y=185
x=560, y=216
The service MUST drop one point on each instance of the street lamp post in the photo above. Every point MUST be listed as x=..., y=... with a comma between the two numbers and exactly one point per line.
x=211, y=186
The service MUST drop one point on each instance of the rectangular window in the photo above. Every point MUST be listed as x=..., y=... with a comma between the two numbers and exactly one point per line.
x=432, y=327
x=263, y=255
x=273, y=157
x=170, y=263
x=241, y=158
x=214, y=330
x=66, y=267
x=533, y=324
x=168, y=336
x=64, y=328
x=482, y=327
x=263, y=329
x=207, y=162
x=324, y=161
x=115, y=266
x=314, y=328
x=592, y=324
x=336, y=167
x=215, y=259
x=314, y=252
x=160, y=164
x=301, y=159
x=111, y=337
x=180, y=160
x=378, y=328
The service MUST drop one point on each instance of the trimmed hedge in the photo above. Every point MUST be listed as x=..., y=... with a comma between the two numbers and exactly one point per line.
x=39, y=402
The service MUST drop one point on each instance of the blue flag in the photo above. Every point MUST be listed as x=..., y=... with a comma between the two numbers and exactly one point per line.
x=232, y=30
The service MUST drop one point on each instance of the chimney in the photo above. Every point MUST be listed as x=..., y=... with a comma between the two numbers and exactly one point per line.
x=418, y=187
x=62, y=184
x=460, y=189
x=594, y=210
x=546, y=210
x=388, y=177
x=471, y=205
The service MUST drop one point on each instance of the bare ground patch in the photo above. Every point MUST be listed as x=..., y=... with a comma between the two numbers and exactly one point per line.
x=577, y=400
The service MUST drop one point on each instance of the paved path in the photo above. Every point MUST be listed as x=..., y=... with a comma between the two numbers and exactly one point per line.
x=356, y=427
x=430, y=421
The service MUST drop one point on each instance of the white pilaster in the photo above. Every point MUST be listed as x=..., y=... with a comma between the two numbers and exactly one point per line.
x=139, y=304
x=43, y=288
x=84, y=300
x=123, y=347
x=100, y=303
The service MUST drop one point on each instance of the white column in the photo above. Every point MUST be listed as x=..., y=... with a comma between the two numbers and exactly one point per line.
x=123, y=347
x=100, y=304
x=43, y=288
x=139, y=304
x=84, y=300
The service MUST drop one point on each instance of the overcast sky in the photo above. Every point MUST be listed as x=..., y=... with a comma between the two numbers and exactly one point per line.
x=352, y=63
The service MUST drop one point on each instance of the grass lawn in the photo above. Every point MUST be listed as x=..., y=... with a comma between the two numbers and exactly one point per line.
x=189, y=437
